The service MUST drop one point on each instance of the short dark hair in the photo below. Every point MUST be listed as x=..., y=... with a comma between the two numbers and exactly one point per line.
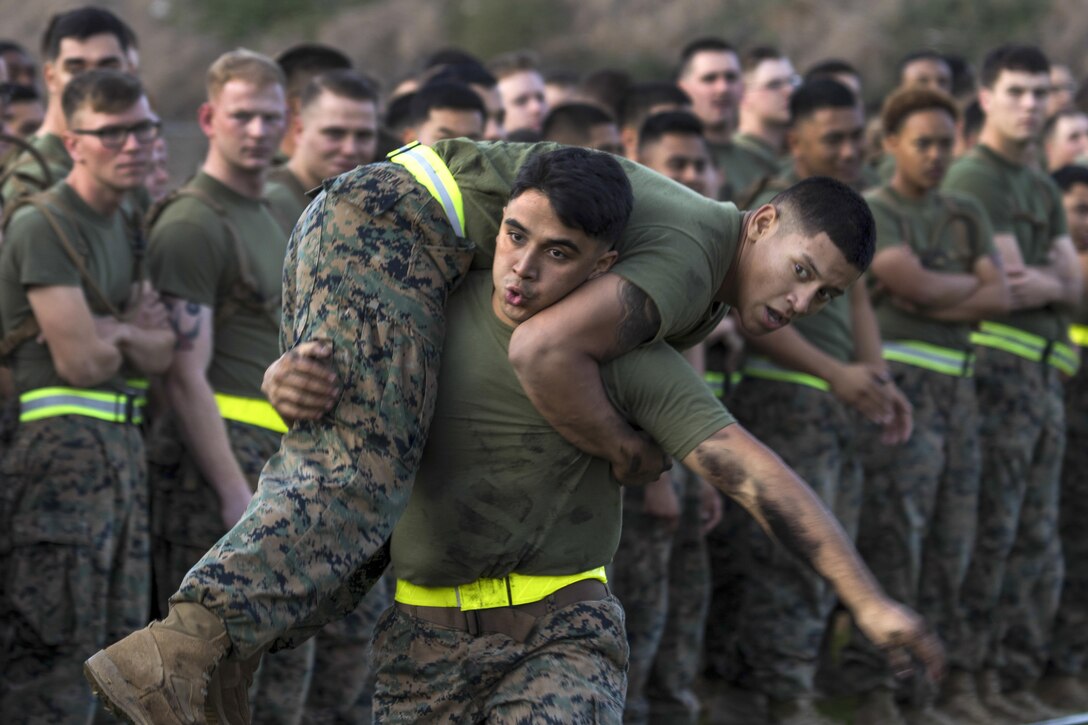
x=456, y=96
x=1052, y=121
x=343, y=83
x=668, y=122
x=469, y=74
x=302, y=62
x=82, y=23
x=398, y=113
x=641, y=97
x=450, y=56
x=1068, y=176
x=1025, y=58
x=606, y=86
x=973, y=118
x=105, y=91
x=916, y=55
x=572, y=123
x=830, y=68
x=7, y=46
x=588, y=190
x=963, y=75
x=812, y=96
x=702, y=45
x=822, y=204
x=754, y=56
x=903, y=103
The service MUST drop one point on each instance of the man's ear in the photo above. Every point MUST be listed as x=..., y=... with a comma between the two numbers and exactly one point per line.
x=204, y=116
x=764, y=220
x=985, y=98
x=49, y=75
x=891, y=144
x=629, y=139
x=604, y=263
x=408, y=135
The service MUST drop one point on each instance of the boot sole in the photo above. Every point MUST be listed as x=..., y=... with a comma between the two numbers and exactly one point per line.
x=111, y=688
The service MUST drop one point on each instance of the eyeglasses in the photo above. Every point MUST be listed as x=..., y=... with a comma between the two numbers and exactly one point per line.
x=114, y=137
x=779, y=84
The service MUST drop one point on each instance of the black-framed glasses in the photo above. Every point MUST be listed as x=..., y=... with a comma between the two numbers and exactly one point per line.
x=114, y=137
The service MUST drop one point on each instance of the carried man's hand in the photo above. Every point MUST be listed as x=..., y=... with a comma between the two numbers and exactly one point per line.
x=301, y=385
x=903, y=635
x=643, y=461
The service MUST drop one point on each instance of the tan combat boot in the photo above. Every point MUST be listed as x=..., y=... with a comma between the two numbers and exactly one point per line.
x=159, y=675
x=960, y=701
x=1064, y=692
x=997, y=702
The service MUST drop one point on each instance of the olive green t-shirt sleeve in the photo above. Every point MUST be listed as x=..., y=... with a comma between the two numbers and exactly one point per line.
x=43, y=262
x=661, y=393
x=1058, y=225
x=185, y=260
x=970, y=178
x=984, y=230
x=889, y=231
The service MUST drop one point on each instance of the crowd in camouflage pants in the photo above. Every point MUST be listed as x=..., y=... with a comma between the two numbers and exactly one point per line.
x=74, y=560
x=186, y=523
x=661, y=575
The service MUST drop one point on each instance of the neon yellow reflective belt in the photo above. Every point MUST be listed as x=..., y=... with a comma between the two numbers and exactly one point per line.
x=764, y=369
x=715, y=381
x=939, y=359
x=431, y=171
x=1065, y=358
x=488, y=593
x=1079, y=334
x=252, y=411
x=110, y=406
x=1011, y=340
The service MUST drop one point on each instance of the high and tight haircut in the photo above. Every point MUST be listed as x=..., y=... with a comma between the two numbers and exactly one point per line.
x=916, y=55
x=398, y=113
x=659, y=125
x=1051, y=124
x=812, y=96
x=588, y=190
x=822, y=204
x=973, y=119
x=243, y=65
x=455, y=96
x=642, y=97
x=516, y=61
x=1070, y=175
x=8, y=46
x=302, y=62
x=83, y=23
x=340, y=83
x=469, y=74
x=830, y=68
x=1025, y=58
x=573, y=123
x=963, y=75
x=707, y=44
x=754, y=56
x=449, y=56
x=903, y=103
x=103, y=91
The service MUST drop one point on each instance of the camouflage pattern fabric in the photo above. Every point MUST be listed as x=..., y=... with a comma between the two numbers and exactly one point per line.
x=1070, y=639
x=1014, y=582
x=671, y=690
x=569, y=671
x=918, y=516
x=342, y=687
x=784, y=605
x=187, y=524
x=74, y=560
x=369, y=268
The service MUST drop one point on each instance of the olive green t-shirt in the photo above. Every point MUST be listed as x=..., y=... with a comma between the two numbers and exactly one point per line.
x=32, y=255
x=191, y=256
x=830, y=329
x=740, y=166
x=949, y=233
x=286, y=197
x=677, y=246
x=499, y=490
x=1021, y=200
x=28, y=177
x=762, y=160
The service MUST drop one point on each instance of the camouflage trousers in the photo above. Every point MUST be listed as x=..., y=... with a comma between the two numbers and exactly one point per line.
x=1014, y=582
x=662, y=578
x=75, y=570
x=1070, y=640
x=570, y=670
x=342, y=686
x=783, y=604
x=186, y=523
x=918, y=515
x=369, y=268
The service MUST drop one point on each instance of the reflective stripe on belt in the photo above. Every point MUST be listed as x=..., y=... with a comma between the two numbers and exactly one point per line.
x=431, y=171
x=715, y=381
x=945, y=360
x=488, y=593
x=110, y=406
x=1026, y=345
x=251, y=411
x=1079, y=334
x=764, y=369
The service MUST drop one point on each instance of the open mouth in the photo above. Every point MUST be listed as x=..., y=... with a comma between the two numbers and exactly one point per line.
x=775, y=319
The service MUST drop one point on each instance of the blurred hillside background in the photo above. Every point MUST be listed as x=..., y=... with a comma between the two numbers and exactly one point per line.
x=387, y=38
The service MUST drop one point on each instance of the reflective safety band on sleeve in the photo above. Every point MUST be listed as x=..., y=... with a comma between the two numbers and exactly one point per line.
x=110, y=406
x=764, y=369
x=945, y=360
x=251, y=411
x=1079, y=335
x=507, y=591
x=431, y=171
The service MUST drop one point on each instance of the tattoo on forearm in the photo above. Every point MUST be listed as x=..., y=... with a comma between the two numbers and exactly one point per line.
x=640, y=320
x=185, y=321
